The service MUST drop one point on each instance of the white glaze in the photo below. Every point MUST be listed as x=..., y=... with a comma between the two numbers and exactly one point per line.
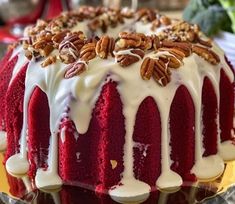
x=3, y=140
x=81, y=92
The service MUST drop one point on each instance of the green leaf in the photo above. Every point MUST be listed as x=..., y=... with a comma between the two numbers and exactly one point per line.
x=209, y=15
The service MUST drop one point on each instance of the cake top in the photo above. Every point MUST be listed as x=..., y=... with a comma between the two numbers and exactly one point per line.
x=77, y=37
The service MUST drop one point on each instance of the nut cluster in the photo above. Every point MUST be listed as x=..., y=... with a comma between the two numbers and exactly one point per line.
x=178, y=40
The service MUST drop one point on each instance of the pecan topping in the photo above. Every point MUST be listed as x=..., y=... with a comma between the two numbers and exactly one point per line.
x=161, y=73
x=50, y=60
x=155, y=42
x=164, y=20
x=135, y=40
x=70, y=47
x=174, y=51
x=146, y=15
x=129, y=40
x=88, y=52
x=206, y=54
x=204, y=42
x=173, y=62
x=147, y=67
x=75, y=69
x=185, y=47
x=59, y=37
x=127, y=59
x=105, y=46
x=44, y=47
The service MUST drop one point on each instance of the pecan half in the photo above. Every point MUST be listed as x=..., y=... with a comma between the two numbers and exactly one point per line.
x=74, y=69
x=173, y=62
x=105, y=46
x=70, y=47
x=155, y=42
x=161, y=73
x=129, y=40
x=185, y=47
x=134, y=40
x=146, y=69
x=88, y=52
x=178, y=53
x=164, y=20
x=146, y=15
x=206, y=43
x=127, y=59
x=50, y=60
x=206, y=54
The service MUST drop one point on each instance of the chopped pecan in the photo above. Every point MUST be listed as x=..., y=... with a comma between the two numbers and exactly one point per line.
x=28, y=54
x=146, y=15
x=161, y=73
x=206, y=54
x=59, y=37
x=50, y=60
x=74, y=69
x=44, y=47
x=191, y=36
x=105, y=46
x=147, y=67
x=185, y=47
x=70, y=47
x=88, y=52
x=127, y=59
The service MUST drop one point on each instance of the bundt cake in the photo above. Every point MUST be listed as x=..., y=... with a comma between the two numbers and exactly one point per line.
x=116, y=101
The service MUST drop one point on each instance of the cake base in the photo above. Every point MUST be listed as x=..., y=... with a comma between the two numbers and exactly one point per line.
x=22, y=188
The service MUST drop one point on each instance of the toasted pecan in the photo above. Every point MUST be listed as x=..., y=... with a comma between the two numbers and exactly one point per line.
x=206, y=54
x=105, y=46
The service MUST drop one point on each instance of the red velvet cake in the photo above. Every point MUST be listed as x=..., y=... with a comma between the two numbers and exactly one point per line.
x=149, y=104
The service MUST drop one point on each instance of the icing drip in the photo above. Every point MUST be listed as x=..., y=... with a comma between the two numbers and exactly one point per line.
x=80, y=94
x=3, y=140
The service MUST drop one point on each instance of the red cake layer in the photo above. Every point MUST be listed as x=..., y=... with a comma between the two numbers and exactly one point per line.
x=38, y=130
x=182, y=123
x=209, y=118
x=6, y=69
x=14, y=112
x=226, y=106
x=102, y=143
x=147, y=137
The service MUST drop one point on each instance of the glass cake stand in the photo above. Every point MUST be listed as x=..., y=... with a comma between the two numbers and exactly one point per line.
x=20, y=190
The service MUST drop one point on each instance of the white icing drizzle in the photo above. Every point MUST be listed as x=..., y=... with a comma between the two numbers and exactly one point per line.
x=80, y=94
x=3, y=140
x=22, y=60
